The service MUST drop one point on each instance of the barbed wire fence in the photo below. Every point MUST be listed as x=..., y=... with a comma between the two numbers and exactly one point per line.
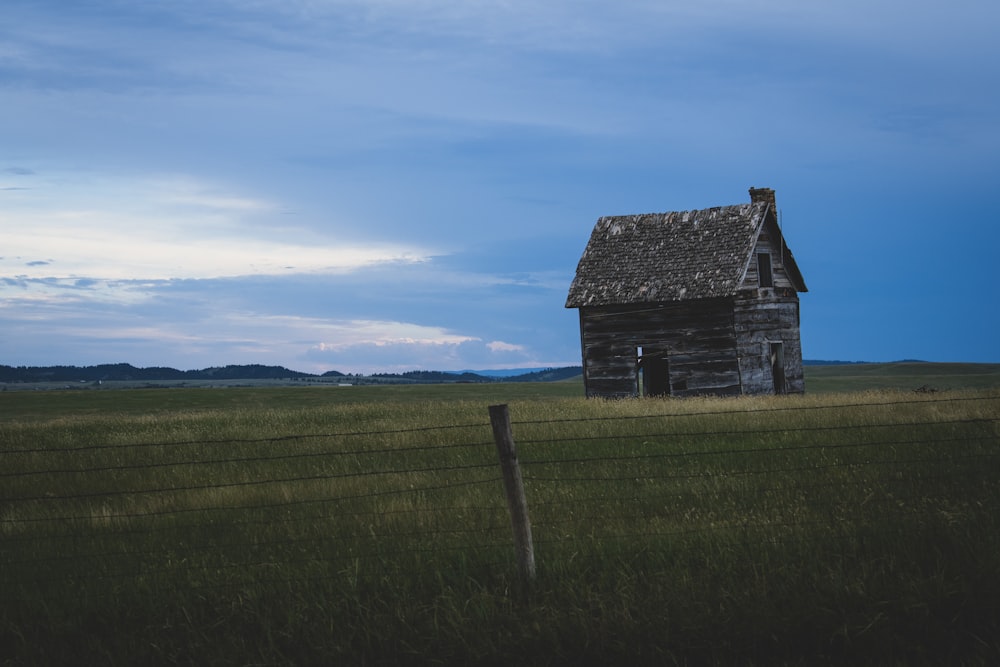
x=100, y=518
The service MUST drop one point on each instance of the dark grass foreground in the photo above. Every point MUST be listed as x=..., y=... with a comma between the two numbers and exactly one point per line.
x=726, y=605
x=858, y=529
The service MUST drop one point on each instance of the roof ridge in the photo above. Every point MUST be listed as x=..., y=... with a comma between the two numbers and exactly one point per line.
x=688, y=211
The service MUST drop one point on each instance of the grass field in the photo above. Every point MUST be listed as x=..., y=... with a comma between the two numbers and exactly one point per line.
x=902, y=376
x=367, y=525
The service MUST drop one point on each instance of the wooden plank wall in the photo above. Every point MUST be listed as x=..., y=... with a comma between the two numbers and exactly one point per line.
x=769, y=241
x=760, y=321
x=718, y=347
x=763, y=316
x=698, y=337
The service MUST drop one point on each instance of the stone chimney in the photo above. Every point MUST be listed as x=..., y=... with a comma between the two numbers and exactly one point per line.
x=765, y=195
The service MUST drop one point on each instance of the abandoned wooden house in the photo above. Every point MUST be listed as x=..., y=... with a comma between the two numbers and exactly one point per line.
x=691, y=302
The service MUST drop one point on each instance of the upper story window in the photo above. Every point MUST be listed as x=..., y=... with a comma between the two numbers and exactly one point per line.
x=765, y=278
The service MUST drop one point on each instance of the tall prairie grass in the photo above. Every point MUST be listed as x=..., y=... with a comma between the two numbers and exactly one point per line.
x=311, y=526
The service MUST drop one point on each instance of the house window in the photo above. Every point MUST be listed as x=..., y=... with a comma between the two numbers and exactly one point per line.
x=764, y=275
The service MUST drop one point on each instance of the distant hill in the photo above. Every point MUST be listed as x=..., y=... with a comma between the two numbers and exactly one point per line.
x=451, y=377
x=824, y=362
x=430, y=377
x=129, y=373
x=548, y=375
x=502, y=372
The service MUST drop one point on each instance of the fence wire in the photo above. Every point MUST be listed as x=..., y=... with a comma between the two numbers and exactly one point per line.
x=100, y=517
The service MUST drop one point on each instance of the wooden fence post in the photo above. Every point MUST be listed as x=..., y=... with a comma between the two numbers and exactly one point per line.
x=513, y=485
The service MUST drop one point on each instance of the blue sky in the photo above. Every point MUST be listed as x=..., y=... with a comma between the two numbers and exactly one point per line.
x=387, y=185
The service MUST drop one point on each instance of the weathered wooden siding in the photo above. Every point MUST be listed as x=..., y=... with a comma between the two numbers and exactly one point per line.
x=697, y=338
x=763, y=316
x=720, y=346
x=767, y=242
x=762, y=319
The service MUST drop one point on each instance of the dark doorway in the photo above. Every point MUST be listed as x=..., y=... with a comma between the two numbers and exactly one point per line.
x=778, y=367
x=655, y=372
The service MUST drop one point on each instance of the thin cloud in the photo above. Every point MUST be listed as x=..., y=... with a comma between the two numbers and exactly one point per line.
x=84, y=251
x=500, y=346
x=354, y=333
x=176, y=228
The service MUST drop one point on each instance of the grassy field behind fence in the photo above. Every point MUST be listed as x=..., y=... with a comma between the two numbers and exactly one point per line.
x=903, y=376
x=369, y=526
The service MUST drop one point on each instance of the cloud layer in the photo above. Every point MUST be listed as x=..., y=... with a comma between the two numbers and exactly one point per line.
x=388, y=184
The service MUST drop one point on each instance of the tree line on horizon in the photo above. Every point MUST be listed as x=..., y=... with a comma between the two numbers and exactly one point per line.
x=124, y=372
x=128, y=372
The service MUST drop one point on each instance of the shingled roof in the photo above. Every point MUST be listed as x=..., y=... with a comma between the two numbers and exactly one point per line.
x=662, y=257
